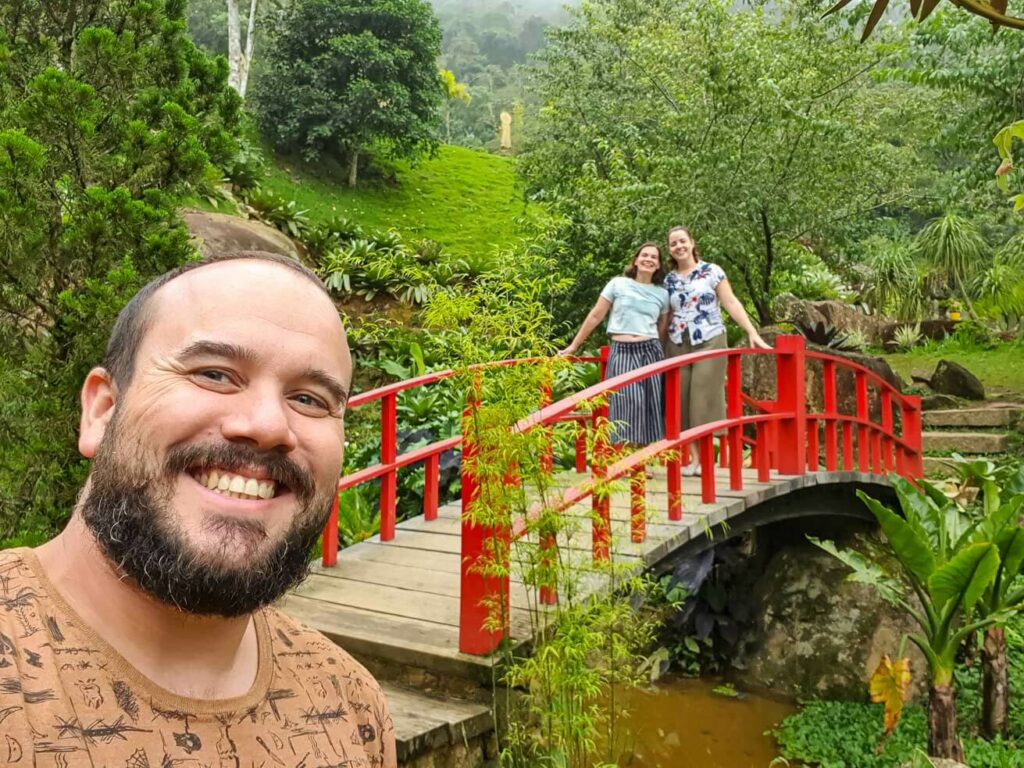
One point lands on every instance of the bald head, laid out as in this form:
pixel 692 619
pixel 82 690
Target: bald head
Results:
pixel 136 317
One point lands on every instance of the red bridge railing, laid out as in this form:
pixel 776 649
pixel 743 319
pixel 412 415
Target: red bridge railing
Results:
pixel 782 434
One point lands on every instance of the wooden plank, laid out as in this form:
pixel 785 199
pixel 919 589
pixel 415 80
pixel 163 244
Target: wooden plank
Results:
pixel 400 640
pixel 350 575
pixel 395 601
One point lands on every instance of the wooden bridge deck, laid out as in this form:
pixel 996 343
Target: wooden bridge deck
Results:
pixel 398 601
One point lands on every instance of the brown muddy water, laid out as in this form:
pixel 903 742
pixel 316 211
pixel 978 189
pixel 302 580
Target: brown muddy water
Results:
pixel 684 723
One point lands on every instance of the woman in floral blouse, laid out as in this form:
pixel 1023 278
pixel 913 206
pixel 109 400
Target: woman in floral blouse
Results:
pixel 698 291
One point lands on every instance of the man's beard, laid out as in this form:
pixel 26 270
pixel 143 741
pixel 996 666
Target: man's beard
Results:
pixel 128 508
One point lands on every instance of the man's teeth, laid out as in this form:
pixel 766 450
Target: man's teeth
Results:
pixel 238 486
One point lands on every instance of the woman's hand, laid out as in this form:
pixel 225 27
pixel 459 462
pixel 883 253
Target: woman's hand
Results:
pixel 758 342
pixel 570 350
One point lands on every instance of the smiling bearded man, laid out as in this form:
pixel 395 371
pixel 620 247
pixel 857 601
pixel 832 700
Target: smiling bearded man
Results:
pixel 142 634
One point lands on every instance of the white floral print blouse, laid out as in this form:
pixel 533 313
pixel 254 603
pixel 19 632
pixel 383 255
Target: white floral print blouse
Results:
pixel 694 304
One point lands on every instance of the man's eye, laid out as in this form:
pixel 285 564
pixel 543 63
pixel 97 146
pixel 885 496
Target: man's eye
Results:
pixel 214 375
pixel 311 402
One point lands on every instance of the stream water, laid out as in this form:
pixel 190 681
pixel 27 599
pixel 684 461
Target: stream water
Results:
pixel 684 723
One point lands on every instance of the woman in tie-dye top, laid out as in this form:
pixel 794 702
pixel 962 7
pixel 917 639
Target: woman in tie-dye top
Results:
pixel 698 291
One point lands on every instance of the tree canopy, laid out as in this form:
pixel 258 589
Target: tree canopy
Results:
pixel 342 76
pixel 757 131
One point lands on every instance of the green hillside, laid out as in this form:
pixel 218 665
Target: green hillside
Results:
pixel 464 199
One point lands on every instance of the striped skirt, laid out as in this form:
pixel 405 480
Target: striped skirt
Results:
pixel 636 411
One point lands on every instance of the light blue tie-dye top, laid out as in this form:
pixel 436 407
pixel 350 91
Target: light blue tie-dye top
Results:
pixel 695 308
pixel 636 307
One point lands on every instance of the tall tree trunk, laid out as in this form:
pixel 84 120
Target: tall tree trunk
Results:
pixel 995 684
pixel 246 63
pixel 942 738
pixel 234 46
pixel 353 168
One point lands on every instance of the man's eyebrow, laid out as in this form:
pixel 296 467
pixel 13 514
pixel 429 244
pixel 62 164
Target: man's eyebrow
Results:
pixel 218 349
pixel 337 390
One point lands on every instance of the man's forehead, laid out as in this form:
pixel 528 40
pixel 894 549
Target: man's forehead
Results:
pixel 242 293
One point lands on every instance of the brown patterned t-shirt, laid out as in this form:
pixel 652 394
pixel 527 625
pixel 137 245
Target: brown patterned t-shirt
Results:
pixel 67 699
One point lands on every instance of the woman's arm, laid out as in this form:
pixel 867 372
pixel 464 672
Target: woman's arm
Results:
pixel 663 322
pixel 594 318
pixel 736 311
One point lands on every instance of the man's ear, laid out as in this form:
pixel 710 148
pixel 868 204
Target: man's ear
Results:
pixel 98 398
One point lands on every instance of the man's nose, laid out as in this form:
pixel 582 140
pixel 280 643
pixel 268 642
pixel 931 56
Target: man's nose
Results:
pixel 260 417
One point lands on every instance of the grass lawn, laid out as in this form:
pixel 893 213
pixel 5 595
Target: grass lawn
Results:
pixel 464 199
pixel 1001 370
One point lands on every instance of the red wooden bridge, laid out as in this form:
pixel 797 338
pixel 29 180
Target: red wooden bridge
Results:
pixel 416 594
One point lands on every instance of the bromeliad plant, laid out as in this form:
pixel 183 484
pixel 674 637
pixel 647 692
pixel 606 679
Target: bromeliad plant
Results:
pixel 946 565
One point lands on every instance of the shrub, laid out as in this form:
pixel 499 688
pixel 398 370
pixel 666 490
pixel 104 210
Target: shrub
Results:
pixel 106 118
pixel 907 337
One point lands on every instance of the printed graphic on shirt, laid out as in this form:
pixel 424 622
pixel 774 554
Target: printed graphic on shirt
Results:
pixel 67 700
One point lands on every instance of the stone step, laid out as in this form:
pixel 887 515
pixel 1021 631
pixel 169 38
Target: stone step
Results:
pixel 965 442
pixel 937 467
pixel 972 418
pixel 441 727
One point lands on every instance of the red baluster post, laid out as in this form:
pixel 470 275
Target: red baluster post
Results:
pixel 707 469
pixel 601 527
pixel 673 426
pixel 431 478
pixel 831 410
pixel 791 433
pixel 330 536
pixel 911 417
pixel 480 545
pixel 863 445
pixel 581 447
pixel 887 435
pixel 812 445
pixel 734 410
pixel 638 505
pixel 388 454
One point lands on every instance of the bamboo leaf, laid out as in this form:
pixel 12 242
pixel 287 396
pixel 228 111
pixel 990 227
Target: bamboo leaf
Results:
pixel 909 545
pixel 876 14
pixel 927 6
pixel 964 578
pixel 838 6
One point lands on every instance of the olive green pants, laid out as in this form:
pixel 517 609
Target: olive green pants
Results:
pixel 701 385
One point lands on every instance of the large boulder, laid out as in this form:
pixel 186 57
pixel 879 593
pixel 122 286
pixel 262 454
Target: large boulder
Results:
pixel 216 233
pixel 759 378
pixel 953 379
pixel 818 634
pixel 837 314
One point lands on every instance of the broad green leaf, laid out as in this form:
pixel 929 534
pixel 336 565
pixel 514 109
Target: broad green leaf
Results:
pixel 864 571
pixel 964 578
pixel 1011 553
pixel 918 511
pixel 909 545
